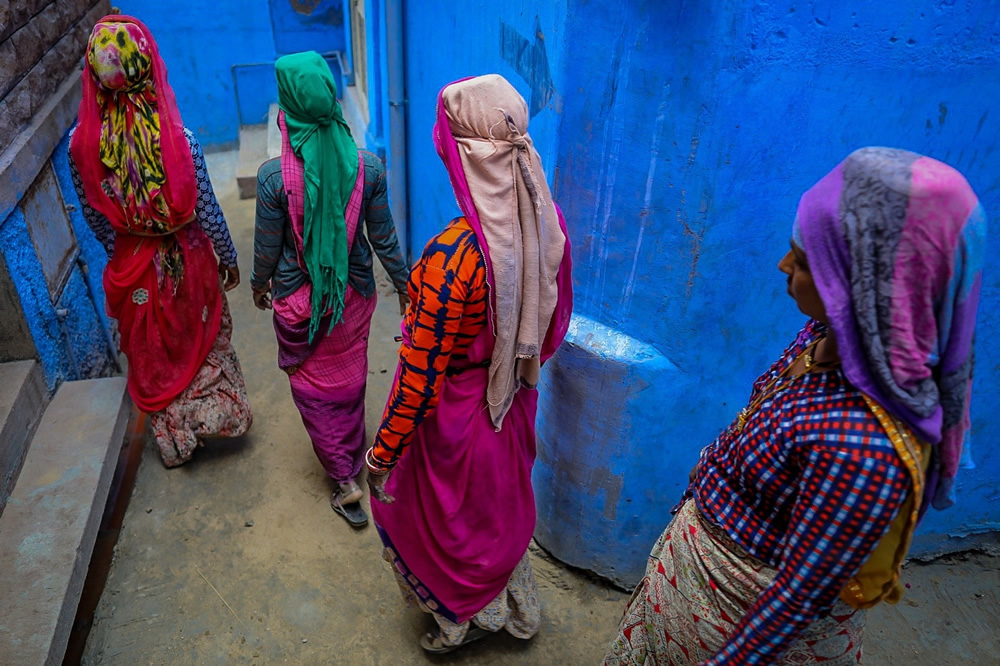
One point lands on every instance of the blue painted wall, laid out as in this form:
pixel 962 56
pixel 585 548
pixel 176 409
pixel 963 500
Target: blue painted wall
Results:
pixel 95 258
pixel 308 25
pixel 678 138
pixel 78 347
pixel 220 58
pixel 201 45
pixel 378 73
pixel 475 44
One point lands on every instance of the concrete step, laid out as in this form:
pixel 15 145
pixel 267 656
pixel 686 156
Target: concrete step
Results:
pixel 48 530
pixel 23 398
pixel 253 153
pixel 273 133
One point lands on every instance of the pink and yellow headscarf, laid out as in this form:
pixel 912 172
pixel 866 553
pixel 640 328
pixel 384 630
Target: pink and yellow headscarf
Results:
pixel 130 146
pixel 161 282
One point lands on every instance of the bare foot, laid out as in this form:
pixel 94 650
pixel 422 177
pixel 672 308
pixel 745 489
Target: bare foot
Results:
pixel 350 492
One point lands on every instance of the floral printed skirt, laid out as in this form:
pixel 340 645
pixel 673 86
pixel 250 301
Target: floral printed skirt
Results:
pixel 213 405
pixel 697 587
pixel 515 609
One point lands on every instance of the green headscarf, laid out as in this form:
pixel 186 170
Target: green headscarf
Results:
pixel 320 136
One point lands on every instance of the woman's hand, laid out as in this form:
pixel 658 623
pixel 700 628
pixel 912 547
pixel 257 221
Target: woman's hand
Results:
pixel 262 298
pixel 376 485
pixel 230 277
pixel 404 302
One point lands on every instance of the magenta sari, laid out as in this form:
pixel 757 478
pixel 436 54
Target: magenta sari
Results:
pixel 328 386
pixel 464 513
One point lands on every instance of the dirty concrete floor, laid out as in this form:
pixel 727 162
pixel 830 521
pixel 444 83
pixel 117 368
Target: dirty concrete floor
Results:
pixel 192 583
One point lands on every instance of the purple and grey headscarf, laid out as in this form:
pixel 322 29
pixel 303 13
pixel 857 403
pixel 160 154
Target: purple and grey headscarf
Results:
pixel 895 243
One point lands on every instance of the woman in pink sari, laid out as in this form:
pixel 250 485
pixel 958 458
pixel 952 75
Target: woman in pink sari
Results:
pixel 313 265
pixel 491 301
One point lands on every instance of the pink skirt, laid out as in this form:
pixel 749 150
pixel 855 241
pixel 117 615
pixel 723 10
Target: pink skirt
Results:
pixel 329 387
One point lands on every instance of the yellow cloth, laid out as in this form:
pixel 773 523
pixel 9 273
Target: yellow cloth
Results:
pixel 878 579
pixel 121 60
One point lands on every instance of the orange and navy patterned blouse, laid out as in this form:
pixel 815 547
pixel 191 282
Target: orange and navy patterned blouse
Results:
pixel 448 297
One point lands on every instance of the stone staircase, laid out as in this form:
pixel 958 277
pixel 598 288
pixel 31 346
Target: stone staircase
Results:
pixel 23 399
pixel 258 143
pixel 57 461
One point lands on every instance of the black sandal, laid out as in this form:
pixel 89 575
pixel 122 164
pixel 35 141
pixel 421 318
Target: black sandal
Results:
pixel 352 511
pixel 432 642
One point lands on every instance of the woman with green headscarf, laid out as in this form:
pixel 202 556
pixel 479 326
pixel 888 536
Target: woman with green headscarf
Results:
pixel 313 266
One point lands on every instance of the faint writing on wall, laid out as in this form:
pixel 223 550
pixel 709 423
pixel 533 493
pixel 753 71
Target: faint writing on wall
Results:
pixel 531 62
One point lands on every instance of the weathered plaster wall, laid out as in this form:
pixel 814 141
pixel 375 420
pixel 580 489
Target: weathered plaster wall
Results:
pixel 50 256
pixel 71 346
pixel 71 333
pixel 94 257
pixel 221 58
pixel 679 137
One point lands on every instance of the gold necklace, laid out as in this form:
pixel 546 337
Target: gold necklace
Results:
pixel 773 387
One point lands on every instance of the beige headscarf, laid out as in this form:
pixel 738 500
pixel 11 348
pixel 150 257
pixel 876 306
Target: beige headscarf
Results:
pixel 489 121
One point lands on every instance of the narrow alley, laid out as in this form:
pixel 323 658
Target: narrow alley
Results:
pixel 193 584
pixel 236 556
pixel 741 250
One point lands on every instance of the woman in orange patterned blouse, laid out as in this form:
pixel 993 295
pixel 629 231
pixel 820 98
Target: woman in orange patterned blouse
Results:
pixel 491 300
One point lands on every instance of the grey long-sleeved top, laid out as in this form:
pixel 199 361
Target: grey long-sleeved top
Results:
pixel 275 257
